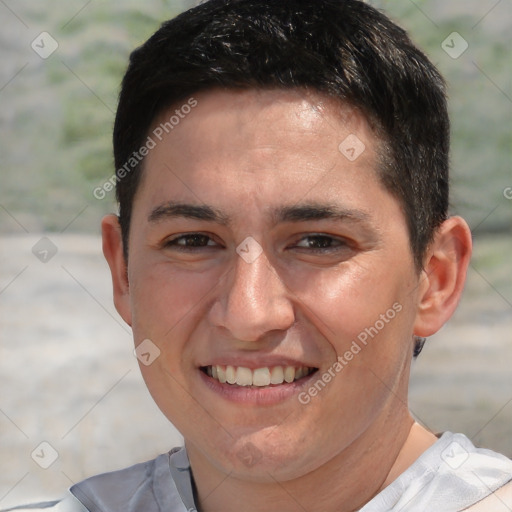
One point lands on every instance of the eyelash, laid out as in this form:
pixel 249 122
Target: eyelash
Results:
pixel 338 243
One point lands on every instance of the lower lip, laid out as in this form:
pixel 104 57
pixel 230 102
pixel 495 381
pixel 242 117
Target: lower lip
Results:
pixel 251 395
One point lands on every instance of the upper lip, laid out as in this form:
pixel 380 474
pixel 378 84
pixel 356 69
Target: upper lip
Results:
pixel 257 362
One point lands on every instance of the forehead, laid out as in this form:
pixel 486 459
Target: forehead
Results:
pixel 265 119
pixel 249 153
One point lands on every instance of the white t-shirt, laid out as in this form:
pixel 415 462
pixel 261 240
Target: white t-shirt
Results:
pixel 450 476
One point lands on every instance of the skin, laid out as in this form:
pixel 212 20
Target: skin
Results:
pixel 248 155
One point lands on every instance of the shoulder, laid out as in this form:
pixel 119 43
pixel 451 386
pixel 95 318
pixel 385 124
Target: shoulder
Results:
pixel 451 471
pixel 499 501
pixel 105 491
pixel 475 477
pixel 128 489
pixel 147 486
pixel 49 506
pixel 68 504
pixel 159 484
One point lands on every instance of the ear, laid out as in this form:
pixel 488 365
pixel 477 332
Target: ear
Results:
pixel 113 251
pixel 443 276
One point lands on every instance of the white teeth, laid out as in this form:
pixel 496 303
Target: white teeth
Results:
pixel 261 377
pixel 230 374
pixel 289 374
pixel 244 376
pixel 277 375
pixel 221 375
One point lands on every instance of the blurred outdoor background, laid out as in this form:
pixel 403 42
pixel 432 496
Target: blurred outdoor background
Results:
pixel 68 374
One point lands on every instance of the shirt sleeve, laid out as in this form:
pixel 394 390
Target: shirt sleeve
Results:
pixel 68 504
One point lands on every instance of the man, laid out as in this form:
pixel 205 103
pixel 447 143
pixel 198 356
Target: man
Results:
pixel 282 250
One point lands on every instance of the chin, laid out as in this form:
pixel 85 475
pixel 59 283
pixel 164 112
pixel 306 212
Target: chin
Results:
pixel 260 459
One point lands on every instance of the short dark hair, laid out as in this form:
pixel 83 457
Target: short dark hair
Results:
pixel 345 49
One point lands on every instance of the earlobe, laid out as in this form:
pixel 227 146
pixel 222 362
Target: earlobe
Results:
pixel 113 252
pixel 443 277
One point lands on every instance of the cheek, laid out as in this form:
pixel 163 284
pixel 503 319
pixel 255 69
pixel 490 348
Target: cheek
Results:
pixel 163 296
pixel 366 314
pixel 345 301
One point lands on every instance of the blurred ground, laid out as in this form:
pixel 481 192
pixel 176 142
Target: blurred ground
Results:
pixel 69 376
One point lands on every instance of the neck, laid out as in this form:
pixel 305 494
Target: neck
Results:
pixel 347 482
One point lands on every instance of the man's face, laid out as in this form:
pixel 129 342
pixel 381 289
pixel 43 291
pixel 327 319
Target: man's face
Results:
pixel 257 243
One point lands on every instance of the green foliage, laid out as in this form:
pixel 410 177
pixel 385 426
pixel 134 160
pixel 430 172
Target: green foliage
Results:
pixel 57 115
pixel 481 111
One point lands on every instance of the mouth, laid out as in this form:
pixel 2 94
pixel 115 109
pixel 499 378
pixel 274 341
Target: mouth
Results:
pixel 259 377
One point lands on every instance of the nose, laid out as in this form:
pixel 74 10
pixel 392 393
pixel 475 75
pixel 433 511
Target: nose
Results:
pixel 252 301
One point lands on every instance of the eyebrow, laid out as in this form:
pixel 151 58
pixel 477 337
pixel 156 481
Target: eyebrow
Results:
pixel 188 211
pixel 314 211
pixel 294 213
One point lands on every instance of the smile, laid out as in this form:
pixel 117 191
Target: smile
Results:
pixel 259 377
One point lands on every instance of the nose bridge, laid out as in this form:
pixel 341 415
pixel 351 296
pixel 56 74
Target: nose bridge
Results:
pixel 253 284
pixel 253 300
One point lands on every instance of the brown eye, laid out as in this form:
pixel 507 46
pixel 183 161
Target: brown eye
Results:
pixel 191 241
pixel 320 243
